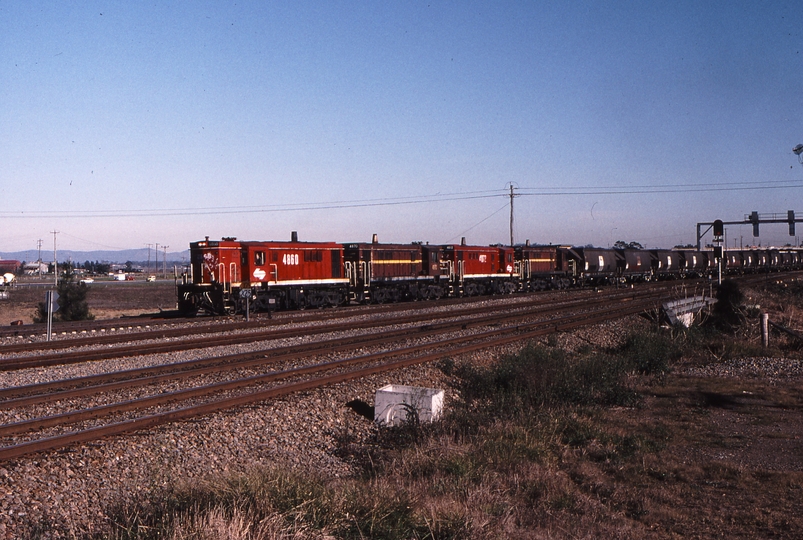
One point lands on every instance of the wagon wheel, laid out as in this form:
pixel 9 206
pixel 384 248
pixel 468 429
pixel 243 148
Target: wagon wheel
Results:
pixel 381 296
pixel 320 300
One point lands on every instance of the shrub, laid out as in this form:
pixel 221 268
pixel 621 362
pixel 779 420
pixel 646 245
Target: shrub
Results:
pixel 649 353
pixel 72 301
pixel 727 311
pixel 539 377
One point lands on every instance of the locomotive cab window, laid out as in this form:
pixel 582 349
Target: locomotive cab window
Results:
pixel 259 258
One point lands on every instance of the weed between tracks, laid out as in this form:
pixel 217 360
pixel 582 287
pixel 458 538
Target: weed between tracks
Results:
pixel 543 444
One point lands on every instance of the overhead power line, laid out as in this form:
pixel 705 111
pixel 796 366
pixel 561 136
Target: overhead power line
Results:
pixel 541 191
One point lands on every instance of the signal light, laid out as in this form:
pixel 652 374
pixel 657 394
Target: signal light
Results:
pixel 719 228
pixel 754 221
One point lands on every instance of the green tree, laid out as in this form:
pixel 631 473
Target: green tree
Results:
pixel 72 300
pixel 621 244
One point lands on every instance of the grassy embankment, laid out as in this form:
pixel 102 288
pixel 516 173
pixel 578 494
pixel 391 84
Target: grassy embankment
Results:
pixel 543 444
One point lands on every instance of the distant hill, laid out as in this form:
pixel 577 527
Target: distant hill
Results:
pixel 133 255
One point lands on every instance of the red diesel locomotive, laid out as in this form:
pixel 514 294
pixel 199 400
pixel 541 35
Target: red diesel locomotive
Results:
pixel 229 276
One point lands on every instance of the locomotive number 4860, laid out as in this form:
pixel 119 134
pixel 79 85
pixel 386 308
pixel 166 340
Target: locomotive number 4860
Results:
pixel 289 259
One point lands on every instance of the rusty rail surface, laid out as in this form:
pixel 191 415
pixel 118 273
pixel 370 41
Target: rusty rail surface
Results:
pixel 220 338
pixel 225 324
pixel 409 356
pixel 52 391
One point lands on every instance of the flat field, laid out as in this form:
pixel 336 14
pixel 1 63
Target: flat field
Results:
pixel 107 299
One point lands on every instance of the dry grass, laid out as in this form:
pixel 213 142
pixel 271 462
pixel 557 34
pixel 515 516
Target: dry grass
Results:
pixel 609 444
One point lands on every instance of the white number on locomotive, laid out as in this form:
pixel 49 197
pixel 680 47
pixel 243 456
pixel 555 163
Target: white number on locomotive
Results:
pixel 290 259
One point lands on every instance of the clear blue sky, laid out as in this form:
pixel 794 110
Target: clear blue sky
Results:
pixel 128 123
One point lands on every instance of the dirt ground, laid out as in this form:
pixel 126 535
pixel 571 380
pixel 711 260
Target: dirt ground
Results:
pixel 721 437
pixel 107 299
pixel 731 465
pixel 729 422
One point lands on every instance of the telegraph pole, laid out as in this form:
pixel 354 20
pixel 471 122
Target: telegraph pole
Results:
pixel 39 260
pixel 512 195
pixel 149 257
pixel 55 261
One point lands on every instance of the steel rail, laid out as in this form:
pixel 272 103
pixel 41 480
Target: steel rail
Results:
pixel 162 399
pixel 75 327
pixel 288 317
pixel 83 327
pixel 292 317
pixel 72 357
pixel 92 384
pixel 514 333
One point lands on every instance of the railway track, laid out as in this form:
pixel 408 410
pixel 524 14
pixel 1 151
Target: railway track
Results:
pixel 227 335
pixel 14 396
pixel 72 330
pixel 155 327
pixel 125 330
pixel 165 321
pixel 395 352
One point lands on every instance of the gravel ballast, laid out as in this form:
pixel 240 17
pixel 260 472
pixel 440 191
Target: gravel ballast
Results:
pixel 67 493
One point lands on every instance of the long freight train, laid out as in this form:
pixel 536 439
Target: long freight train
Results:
pixel 229 276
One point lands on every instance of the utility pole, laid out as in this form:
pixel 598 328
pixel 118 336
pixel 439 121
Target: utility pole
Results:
pixel 156 251
pixel 164 261
pixel 512 195
pixel 39 260
pixel 149 257
pixel 55 261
